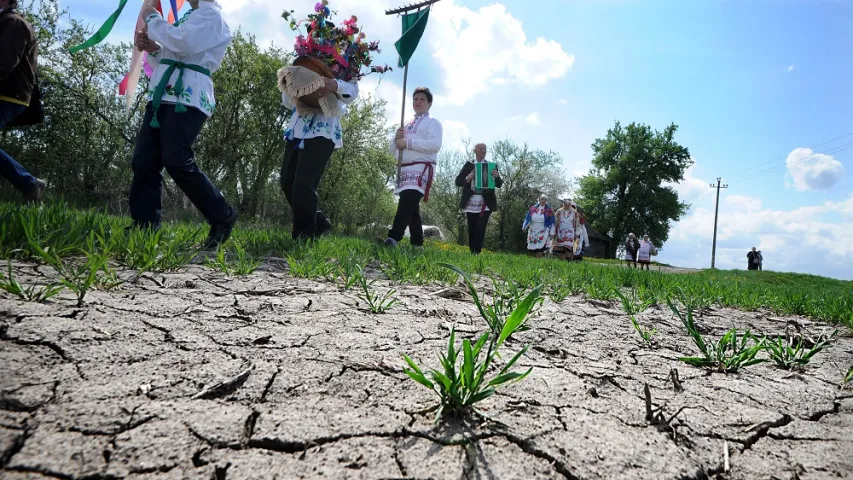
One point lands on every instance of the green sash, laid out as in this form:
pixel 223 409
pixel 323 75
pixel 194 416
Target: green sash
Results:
pixel 179 86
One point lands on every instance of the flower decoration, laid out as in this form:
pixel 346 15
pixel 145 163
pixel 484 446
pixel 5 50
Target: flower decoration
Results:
pixel 343 49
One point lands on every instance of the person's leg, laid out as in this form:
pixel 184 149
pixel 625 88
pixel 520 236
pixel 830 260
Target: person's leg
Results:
pixel 406 207
pixel 146 188
pixel 472 231
pixel 309 170
pixel 179 131
pixel 416 224
pixel 10 169
pixel 482 222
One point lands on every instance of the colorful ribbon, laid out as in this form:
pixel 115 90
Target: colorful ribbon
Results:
pixel 102 32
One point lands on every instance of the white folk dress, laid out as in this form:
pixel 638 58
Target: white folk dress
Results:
pixel 201 38
pixel 423 141
pixel 644 254
pixel 566 220
pixel 538 235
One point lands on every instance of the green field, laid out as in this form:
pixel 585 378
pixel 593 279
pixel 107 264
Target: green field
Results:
pixel 89 246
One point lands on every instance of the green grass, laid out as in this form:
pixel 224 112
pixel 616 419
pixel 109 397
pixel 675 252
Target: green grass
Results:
pixel 64 232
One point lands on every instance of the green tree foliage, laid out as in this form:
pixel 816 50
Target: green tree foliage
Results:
pixel 627 189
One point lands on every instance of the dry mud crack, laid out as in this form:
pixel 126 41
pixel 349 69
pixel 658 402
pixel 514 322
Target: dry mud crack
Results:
pixel 198 375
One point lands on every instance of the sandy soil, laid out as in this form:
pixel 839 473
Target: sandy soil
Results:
pixel 121 388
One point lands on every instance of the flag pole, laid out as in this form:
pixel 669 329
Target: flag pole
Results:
pixel 397 11
pixel 402 119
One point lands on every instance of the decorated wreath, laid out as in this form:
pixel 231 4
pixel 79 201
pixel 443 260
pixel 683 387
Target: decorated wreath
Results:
pixel 325 50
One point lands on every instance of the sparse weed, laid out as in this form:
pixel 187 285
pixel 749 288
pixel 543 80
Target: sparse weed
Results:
pixel 790 351
pixel 241 264
pixel 460 387
pixel 847 381
pixel 634 307
pixel 559 292
pixel 727 354
pixel 378 303
pixel 497 314
pixel 33 293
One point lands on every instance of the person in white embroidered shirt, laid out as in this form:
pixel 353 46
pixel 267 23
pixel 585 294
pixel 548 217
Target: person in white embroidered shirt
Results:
pixel 420 142
pixel 183 57
pixel 311 140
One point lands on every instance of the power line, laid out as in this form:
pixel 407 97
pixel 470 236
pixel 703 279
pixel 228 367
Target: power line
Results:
pixel 786 156
pixel 813 156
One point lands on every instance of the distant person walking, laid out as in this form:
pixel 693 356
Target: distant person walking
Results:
pixel 632 245
pixel 17 88
pixel 754 259
pixel 539 224
pixel 644 253
pixel 760 260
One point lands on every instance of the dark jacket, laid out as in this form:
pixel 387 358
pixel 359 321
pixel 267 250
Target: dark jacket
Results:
pixel 18 56
pixel 488 195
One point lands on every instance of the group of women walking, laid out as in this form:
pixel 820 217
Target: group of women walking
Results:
pixel 562 233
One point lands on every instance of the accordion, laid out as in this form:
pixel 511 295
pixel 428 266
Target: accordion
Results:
pixel 483 179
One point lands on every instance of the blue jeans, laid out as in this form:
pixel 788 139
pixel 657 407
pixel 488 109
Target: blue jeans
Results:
pixel 11 170
pixel 170 147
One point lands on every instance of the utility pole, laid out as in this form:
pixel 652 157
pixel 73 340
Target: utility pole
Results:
pixel 716 211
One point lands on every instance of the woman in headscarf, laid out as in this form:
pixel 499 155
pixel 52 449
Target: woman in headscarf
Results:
pixel 631 247
pixel 539 223
pixel 644 253
pixel 566 225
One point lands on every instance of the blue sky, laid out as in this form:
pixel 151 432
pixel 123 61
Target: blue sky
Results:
pixel 747 82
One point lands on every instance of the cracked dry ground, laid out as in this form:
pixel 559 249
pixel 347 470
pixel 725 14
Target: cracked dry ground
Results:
pixel 110 390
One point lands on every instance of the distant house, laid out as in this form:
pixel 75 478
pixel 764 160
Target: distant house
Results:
pixel 598 243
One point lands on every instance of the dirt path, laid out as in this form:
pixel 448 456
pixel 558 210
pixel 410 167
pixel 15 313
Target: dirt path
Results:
pixel 109 391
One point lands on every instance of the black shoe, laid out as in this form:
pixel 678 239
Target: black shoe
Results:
pixel 35 194
pixel 324 226
pixel 220 232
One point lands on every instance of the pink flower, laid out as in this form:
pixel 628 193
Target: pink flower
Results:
pixel 318 7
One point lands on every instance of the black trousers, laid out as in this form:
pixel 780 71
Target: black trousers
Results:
pixel 300 175
pixel 170 147
pixel 408 215
pixel 477 230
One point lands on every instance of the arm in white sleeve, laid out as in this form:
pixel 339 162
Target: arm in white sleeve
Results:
pixel 392 146
pixel 347 92
pixel 202 30
pixel 432 143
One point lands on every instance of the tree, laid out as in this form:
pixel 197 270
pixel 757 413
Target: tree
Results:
pixel 625 190
pixel 241 145
pixel 526 173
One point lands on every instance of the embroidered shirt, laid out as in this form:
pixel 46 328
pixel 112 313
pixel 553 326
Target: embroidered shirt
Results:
pixel 199 38
pixel 423 141
pixel 318 124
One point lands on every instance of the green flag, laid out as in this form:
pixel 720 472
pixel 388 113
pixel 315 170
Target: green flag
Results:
pixel 102 32
pixel 414 25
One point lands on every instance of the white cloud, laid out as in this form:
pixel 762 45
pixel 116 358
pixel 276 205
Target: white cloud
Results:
pixel 790 68
pixel 563 102
pixel 813 171
pixel 455 134
pixel 812 239
pixel 532 119
pixel 691 188
pixel 743 203
pixel 489 46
